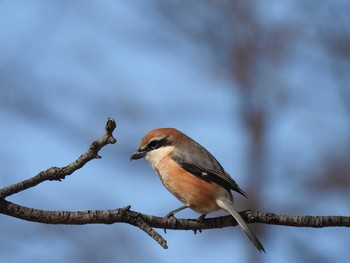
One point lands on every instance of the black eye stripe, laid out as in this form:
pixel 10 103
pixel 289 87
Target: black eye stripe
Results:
pixel 155 144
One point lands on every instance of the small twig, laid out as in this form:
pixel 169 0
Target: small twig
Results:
pixel 140 222
pixel 55 173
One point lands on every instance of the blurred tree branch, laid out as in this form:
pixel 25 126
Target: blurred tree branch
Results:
pixel 125 215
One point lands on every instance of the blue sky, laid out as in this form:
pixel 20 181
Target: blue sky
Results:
pixel 66 66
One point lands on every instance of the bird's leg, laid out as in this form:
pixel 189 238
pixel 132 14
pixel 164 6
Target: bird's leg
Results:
pixel 201 218
pixel 172 213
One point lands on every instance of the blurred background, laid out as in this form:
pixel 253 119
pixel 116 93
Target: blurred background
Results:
pixel 263 85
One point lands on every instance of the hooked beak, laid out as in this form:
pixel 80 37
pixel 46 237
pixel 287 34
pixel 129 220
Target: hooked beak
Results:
pixel 138 155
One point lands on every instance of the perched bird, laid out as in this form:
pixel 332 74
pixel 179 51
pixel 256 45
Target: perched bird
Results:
pixel 192 174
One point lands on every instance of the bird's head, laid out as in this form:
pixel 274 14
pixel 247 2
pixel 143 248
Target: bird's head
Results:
pixel 157 144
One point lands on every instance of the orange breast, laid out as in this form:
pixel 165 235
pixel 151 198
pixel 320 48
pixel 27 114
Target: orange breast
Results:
pixel 198 194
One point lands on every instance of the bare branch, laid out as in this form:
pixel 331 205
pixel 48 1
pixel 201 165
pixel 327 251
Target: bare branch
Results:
pixel 55 173
pixel 301 221
pixel 121 215
pixel 146 222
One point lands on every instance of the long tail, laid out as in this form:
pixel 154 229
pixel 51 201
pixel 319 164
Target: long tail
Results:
pixel 229 208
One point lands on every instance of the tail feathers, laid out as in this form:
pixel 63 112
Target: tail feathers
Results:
pixel 229 208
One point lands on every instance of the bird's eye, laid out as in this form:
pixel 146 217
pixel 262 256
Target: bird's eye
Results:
pixel 153 145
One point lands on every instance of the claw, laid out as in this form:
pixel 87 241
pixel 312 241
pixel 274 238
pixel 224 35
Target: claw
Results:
pixel 170 215
pixel 195 231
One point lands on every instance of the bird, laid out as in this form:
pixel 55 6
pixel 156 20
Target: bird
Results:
pixel 192 174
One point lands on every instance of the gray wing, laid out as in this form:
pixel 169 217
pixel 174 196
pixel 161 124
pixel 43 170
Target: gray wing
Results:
pixel 201 163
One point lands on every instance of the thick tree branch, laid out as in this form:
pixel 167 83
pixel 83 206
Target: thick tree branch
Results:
pixel 146 222
pixel 125 215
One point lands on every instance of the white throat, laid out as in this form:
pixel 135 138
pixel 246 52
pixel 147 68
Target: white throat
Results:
pixel 155 156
